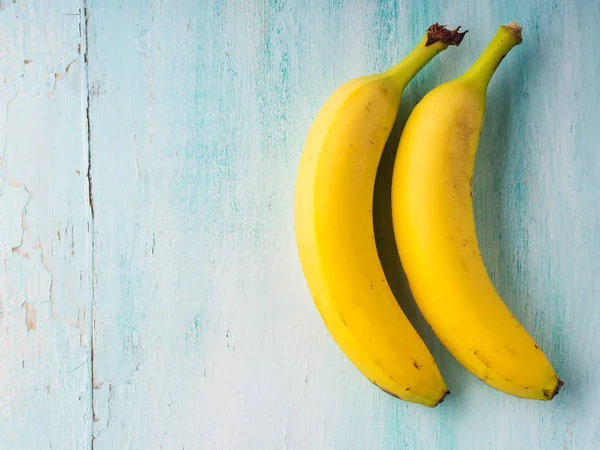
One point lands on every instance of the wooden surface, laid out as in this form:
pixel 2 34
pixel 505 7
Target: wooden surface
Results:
pixel 150 291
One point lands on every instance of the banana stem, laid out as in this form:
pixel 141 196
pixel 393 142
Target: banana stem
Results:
pixel 437 39
pixel 485 66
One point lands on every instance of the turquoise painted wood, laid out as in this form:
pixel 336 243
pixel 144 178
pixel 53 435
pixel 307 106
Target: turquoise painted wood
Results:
pixel 150 291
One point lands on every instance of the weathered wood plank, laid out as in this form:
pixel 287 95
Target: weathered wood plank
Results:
pixel 205 335
pixel 45 253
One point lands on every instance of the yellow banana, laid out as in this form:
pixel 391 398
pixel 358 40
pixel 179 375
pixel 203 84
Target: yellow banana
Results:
pixel 334 229
pixel 435 232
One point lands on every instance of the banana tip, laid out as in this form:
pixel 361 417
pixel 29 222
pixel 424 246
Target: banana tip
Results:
pixel 441 400
pixel 557 389
pixel 550 395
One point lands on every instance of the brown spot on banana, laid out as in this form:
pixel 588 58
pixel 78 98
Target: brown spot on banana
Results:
pixel 484 361
pixel 464 264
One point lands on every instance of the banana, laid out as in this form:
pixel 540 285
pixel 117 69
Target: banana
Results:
pixel 333 221
pixel 434 226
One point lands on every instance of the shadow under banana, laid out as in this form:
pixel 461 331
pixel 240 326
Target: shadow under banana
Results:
pixel 451 370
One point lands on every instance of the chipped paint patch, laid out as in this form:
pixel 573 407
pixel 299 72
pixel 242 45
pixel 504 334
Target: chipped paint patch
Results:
pixel 30 317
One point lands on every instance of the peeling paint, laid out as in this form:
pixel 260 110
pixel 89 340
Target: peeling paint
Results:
pixel 70 65
pixel 44 288
pixel 144 43
pixel 24 226
pixel 30 317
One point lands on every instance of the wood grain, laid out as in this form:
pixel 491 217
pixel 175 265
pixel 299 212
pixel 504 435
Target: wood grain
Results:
pixel 157 301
